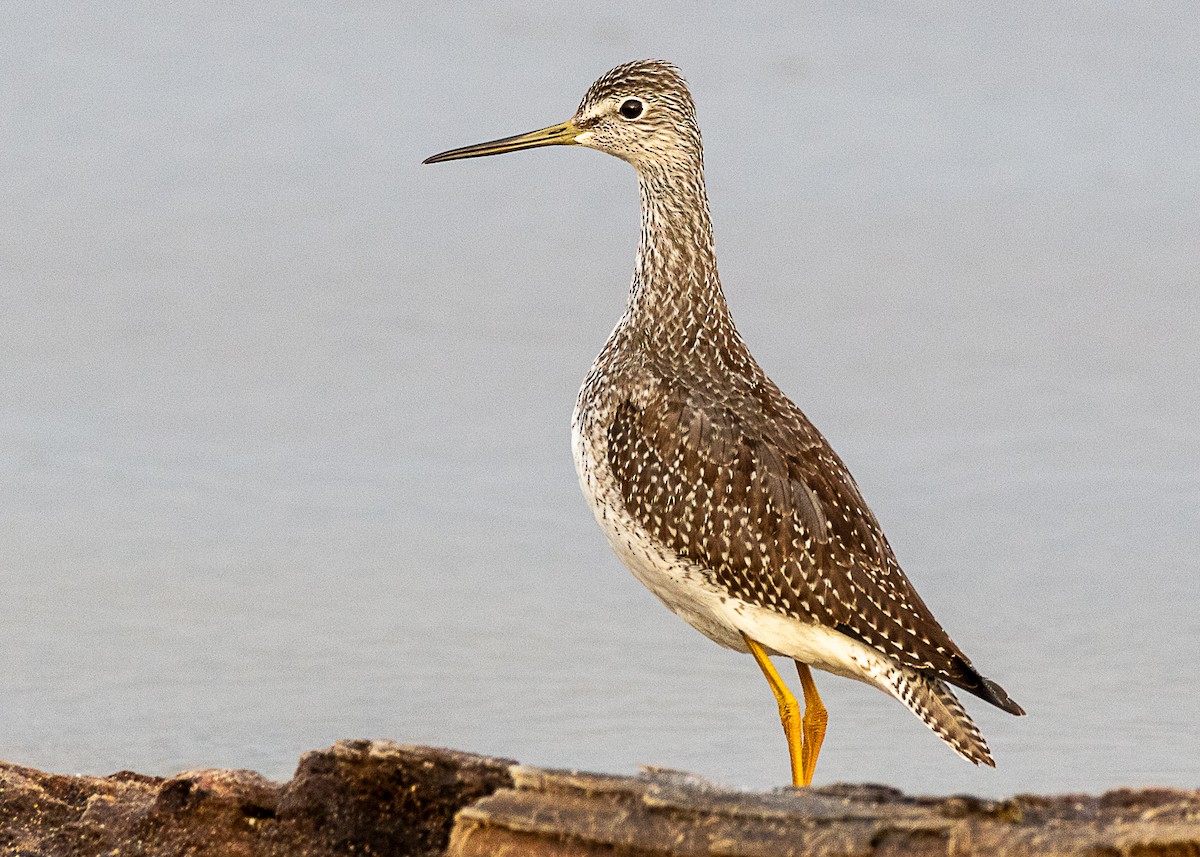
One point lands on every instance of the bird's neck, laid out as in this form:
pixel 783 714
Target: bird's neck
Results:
pixel 676 304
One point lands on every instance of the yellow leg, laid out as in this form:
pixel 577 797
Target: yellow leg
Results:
pixel 789 712
pixel 815 718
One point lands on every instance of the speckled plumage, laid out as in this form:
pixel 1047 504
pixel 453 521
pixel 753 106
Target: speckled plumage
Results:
pixel 712 485
pixel 709 483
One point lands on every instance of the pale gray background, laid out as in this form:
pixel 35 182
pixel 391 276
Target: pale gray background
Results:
pixel 284 415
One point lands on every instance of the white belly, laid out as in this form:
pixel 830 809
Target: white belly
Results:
pixel 677 583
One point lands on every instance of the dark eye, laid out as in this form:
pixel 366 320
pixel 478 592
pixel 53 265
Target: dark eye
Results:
pixel 632 108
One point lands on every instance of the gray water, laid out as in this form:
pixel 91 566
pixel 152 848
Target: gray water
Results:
pixel 284 415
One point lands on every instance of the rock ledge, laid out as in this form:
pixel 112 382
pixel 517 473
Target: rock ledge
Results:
pixel 380 798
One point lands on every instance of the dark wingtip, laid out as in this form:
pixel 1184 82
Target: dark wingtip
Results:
pixel 972 682
pixel 996 695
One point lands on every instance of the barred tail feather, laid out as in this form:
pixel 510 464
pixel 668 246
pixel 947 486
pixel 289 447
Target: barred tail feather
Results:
pixel 931 700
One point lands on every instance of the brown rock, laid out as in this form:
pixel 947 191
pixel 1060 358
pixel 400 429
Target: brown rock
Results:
pixel 376 797
pixel 358 797
pixel 667 814
pixel 379 798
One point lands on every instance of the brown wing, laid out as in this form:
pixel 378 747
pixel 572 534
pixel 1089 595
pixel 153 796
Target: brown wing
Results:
pixel 748 489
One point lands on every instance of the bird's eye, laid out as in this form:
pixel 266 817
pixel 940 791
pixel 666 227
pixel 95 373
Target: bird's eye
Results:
pixel 632 108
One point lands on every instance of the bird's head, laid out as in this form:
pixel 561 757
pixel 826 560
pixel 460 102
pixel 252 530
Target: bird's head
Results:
pixel 641 112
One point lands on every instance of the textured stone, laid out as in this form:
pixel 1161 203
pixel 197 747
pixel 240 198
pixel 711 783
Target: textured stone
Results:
pixel 384 799
pixel 661 813
pixel 358 797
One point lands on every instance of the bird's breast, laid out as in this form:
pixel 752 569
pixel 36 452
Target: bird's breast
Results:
pixel 680 584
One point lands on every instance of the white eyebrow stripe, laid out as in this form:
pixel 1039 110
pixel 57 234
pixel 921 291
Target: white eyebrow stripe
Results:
pixel 595 111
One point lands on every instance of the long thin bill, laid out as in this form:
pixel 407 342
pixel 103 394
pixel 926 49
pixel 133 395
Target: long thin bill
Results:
pixel 555 135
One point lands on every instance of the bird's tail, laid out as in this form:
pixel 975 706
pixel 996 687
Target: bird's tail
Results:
pixel 939 709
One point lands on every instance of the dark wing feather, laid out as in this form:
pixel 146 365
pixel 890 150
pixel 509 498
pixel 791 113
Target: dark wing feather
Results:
pixel 745 487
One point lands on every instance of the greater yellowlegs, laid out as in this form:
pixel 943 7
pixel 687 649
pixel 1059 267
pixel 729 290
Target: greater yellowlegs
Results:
pixel 710 484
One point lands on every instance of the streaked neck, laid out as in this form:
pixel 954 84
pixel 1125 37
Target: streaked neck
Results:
pixel 676 299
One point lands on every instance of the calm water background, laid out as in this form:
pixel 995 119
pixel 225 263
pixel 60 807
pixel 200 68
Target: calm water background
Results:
pixel 284 415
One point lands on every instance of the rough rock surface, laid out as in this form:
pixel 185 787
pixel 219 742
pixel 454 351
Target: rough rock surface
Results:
pixel 380 798
pixel 553 813
pixel 358 797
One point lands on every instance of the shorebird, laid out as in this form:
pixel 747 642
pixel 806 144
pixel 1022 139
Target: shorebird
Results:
pixel 709 483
